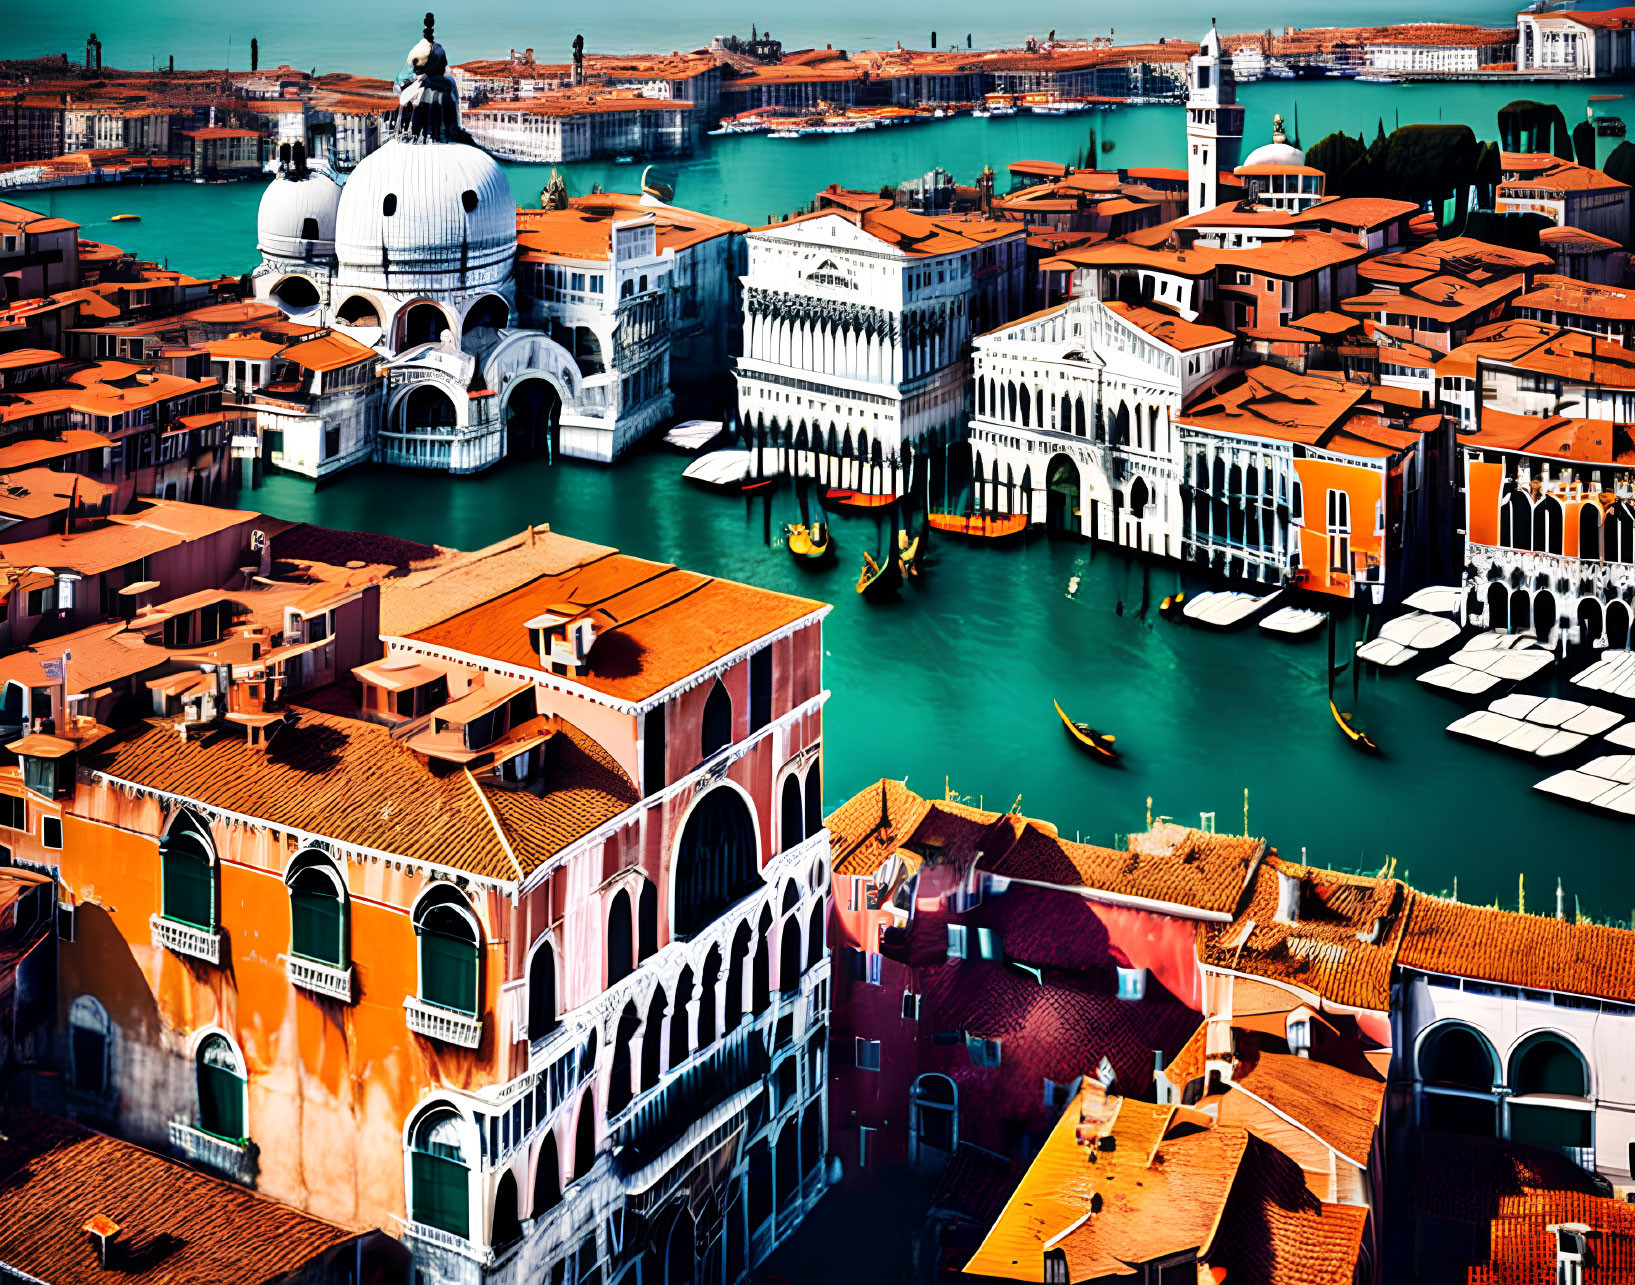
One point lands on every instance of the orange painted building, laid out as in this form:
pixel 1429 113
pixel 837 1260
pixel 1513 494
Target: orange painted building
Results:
pixel 1549 525
pixel 509 940
pixel 1313 481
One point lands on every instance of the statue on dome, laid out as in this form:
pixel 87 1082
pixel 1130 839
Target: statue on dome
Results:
pixel 429 103
pixel 555 195
pixel 1278 136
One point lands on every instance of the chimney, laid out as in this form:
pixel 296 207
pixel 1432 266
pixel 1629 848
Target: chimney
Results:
pixel 104 1233
pixel 1288 898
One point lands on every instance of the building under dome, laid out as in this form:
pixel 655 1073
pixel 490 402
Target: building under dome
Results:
pixel 416 255
pixel 1280 175
pixel 295 230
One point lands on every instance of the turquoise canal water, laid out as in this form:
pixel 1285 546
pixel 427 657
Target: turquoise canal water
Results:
pixel 956 681
pixel 372 39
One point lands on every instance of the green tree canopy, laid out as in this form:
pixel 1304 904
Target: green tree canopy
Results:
pixel 1344 162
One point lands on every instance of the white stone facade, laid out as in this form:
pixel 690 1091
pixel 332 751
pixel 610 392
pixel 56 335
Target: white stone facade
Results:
pixel 858 347
pixel 1074 425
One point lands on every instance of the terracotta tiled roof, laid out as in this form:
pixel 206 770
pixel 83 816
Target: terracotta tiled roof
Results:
pixel 352 782
pixel 460 581
pixel 37 492
pixel 1554 293
pixel 176 1226
pixel 102 548
pixel 1183 336
pixel 1355 212
pixel 1519 950
pixel 1523 1248
pixel 1157 1190
pixel 870 826
pixel 1275 1232
pixel 1592 441
pixel 1461 1178
pixel 669 623
pixel 1340 946
pixel 1340 1108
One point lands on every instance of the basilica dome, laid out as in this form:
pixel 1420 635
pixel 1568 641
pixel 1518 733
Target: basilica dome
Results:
pixel 296 219
pixel 420 215
pixel 1277 152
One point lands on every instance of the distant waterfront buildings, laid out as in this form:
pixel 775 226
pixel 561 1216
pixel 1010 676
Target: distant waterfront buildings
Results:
pixel 1583 43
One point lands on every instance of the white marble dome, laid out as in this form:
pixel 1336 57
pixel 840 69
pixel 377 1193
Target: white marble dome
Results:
pixel 420 216
pixel 296 219
pixel 1276 154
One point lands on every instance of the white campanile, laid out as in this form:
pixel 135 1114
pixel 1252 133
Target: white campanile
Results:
pixel 1214 123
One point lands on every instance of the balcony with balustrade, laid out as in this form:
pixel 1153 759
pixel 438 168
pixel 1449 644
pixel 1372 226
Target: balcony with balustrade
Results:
pixel 446 1024
pixel 186 939
pixel 238 1161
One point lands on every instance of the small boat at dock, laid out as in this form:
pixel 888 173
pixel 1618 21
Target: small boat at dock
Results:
pixel 727 471
pixel 992 527
pixel 879 580
pixel 1293 622
pixel 810 543
pixel 1098 744
pixel 694 435
pixel 1225 610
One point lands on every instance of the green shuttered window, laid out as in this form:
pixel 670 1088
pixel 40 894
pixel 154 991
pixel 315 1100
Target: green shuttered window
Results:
pixel 221 1090
pixel 188 873
pixel 448 959
pixel 317 919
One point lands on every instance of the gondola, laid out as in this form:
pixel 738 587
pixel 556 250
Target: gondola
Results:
pixel 1099 744
pixel 125 218
pixel 879 580
pixel 992 527
pixel 908 553
pixel 810 543
pixel 1355 735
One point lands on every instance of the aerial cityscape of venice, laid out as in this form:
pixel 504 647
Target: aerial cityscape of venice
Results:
pixel 899 643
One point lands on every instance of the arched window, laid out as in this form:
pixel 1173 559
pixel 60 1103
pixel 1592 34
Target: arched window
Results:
pixel 547 1177
pixel 716 863
pixel 1549 1096
pixel 1455 1066
pixel 506 1227
pixel 309 229
pixel 934 1116
pixel 814 799
pixel 1516 521
pixel 653 1041
pixel 584 1137
pixel 221 1089
pixel 732 1009
pixel 90 1048
pixel 791 814
pixel 542 992
pixel 647 921
pixel 1548 520
pixel 440 1172
pixel 717 733
pixel 619 961
pixel 760 1185
pixel 761 974
pixel 1589 532
pixel 1025 400
pixel 618 1084
pixel 450 952
pixel 706 998
pixel 811 1135
pixel 789 956
pixel 814 936
pixel 188 872
pixel 317 910
pixel 679 1017
pixel 1619 534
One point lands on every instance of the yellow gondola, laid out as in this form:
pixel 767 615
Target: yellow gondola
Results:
pixel 810 543
pixel 1355 735
pixel 125 218
pixel 1099 744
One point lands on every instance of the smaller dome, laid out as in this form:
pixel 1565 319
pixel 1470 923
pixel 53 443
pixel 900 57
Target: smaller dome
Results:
pixel 296 219
pixel 1276 154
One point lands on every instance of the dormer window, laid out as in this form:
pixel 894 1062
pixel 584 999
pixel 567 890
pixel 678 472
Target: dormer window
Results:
pixel 563 636
pixel 1572 1252
pixel 1132 984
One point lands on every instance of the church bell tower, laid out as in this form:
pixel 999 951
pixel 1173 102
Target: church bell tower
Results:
pixel 1214 123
